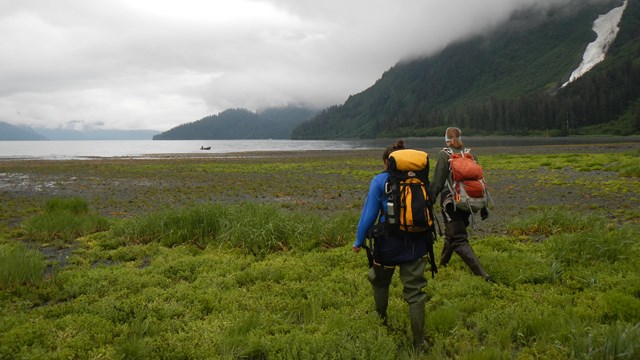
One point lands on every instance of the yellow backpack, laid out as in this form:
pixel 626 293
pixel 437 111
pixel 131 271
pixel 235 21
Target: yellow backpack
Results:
pixel 409 206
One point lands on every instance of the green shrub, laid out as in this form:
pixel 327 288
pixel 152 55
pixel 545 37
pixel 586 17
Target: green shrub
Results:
pixel 19 265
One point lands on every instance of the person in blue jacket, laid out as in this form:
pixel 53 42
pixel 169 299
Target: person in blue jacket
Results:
pixel 407 251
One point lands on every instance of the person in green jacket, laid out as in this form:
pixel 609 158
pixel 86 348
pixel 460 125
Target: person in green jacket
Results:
pixel 456 220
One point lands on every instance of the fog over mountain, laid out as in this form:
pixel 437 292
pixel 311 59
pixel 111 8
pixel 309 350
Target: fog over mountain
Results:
pixel 508 81
pixel 155 64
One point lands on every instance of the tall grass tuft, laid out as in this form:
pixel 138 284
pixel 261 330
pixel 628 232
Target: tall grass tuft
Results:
pixel 617 341
pixel 337 228
pixel 621 342
pixel 257 228
pixel 74 205
pixel 552 220
pixel 174 227
pixel 263 228
pixel 236 343
pixel 588 247
pixel 64 219
pixel 19 265
pixel 132 346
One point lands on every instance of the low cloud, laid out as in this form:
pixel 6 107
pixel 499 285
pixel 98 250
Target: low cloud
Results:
pixel 154 64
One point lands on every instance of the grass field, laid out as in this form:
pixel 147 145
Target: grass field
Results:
pixel 249 257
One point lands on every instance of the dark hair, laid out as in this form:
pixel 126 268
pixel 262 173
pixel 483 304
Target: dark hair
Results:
pixel 397 146
pixel 455 135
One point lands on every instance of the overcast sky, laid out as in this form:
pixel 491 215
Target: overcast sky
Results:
pixel 155 64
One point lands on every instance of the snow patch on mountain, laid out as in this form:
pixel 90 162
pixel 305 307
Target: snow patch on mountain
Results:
pixel 606 27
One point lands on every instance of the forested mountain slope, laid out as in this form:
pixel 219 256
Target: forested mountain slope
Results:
pixel 274 123
pixel 508 81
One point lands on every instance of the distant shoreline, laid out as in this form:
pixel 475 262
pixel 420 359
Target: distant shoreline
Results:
pixel 147 149
pixel 289 154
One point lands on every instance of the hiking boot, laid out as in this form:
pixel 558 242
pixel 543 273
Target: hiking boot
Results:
pixel 381 298
pixel 469 257
pixel 447 251
pixel 416 317
pixel 421 347
pixel 455 233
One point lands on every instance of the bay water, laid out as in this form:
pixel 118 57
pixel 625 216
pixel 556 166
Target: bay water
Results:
pixel 81 149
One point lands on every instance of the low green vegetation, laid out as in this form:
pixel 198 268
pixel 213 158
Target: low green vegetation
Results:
pixel 264 270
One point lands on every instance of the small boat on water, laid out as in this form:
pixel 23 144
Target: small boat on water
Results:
pixel 205 148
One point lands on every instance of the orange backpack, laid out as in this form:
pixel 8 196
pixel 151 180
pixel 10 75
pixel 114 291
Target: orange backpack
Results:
pixel 466 183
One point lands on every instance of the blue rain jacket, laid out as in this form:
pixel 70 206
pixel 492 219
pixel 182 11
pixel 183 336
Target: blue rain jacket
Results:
pixel 396 248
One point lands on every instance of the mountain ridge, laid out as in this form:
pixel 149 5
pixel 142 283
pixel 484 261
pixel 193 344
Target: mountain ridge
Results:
pixel 503 82
pixel 9 132
pixel 271 123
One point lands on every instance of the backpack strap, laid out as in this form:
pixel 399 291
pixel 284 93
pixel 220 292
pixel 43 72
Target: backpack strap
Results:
pixel 367 248
pixel 431 256
pixel 449 182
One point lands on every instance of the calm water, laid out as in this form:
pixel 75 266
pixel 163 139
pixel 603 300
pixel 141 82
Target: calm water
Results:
pixel 141 148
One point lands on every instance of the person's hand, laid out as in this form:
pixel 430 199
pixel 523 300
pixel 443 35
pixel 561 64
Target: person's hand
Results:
pixel 355 249
pixel 484 213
